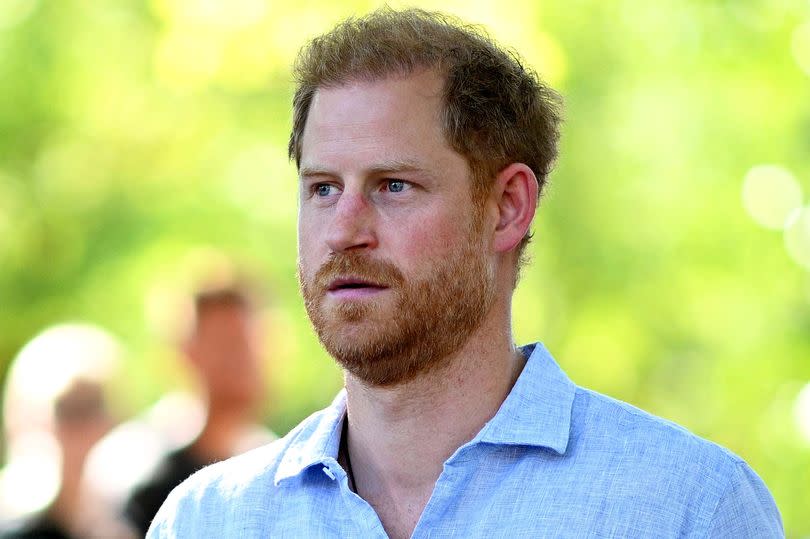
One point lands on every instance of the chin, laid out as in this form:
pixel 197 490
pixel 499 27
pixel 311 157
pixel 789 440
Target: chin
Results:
pixel 352 336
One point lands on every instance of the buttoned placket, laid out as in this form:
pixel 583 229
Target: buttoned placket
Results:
pixel 367 518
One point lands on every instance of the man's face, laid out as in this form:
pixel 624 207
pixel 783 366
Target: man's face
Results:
pixel 225 350
pixel 393 261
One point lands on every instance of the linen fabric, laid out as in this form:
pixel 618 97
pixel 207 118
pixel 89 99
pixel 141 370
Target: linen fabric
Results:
pixel 556 461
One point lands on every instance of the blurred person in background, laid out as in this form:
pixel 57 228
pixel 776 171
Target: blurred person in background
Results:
pixel 422 150
pixel 223 347
pixel 55 408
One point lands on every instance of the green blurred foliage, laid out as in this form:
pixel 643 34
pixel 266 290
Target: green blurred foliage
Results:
pixel 137 139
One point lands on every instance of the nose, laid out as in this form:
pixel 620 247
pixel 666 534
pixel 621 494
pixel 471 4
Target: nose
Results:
pixel 352 226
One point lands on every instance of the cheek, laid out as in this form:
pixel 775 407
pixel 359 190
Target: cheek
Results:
pixel 308 247
pixel 429 238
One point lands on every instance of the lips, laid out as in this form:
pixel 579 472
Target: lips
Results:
pixel 353 283
pixel 352 277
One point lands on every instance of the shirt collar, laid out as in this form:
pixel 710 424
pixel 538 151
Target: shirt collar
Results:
pixel 538 409
pixel 316 442
pixel 536 412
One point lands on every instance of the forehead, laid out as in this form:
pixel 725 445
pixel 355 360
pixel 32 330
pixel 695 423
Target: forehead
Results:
pixel 397 116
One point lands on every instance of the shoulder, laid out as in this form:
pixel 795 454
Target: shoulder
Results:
pixel 205 499
pixel 661 461
pixel 630 438
pixel 241 489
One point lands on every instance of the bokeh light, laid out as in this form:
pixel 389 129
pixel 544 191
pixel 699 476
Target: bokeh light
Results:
pixel 30 481
pixel 187 60
pixel 771 194
pixel 13 12
pixel 800 46
pixel 797 237
pixel 801 412
pixel 213 15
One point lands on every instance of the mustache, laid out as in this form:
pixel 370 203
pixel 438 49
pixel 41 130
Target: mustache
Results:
pixel 359 266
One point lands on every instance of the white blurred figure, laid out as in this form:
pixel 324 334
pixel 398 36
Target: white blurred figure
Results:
pixel 55 409
pixel 131 451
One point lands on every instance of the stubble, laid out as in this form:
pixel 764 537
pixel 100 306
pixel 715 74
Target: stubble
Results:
pixel 429 318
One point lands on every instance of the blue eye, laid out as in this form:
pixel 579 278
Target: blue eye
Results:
pixel 396 186
pixel 323 189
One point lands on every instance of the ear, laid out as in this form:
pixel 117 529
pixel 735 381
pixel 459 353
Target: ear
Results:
pixel 515 195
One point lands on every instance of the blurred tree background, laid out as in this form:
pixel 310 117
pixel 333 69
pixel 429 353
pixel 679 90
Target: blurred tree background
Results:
pixel 140 141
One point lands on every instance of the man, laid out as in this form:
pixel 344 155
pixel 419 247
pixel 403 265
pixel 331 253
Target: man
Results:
pixel 422 150
pixel 222 348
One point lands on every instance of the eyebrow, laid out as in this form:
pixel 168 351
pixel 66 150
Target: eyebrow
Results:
pixel 382 167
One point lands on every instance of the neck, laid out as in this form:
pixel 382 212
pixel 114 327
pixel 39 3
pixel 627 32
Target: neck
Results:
pixel 64 510
pixel 223 434
pixel 400 437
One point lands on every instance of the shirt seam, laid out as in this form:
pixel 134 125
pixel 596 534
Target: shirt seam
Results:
pixel 629 409
pixel 720 499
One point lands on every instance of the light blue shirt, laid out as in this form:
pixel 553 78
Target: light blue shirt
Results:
pixel 555 461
